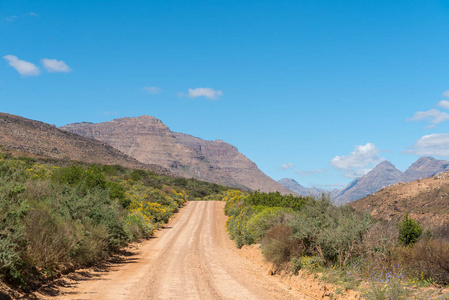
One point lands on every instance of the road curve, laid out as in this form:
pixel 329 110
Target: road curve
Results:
pixel 192 258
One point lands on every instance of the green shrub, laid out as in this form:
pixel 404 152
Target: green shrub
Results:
pixel 260 223
pixel 113 170
pixel 50 239
pixel 234 199
pixel 116 191
pixel 94 178
pixel 236 226
pixel 70 175
pixel 137 175
pixel 409 230
pixel 76 175
pixel 312 263
pixel 13 209
pixel 335 234
pixel 139 225
pixel 92 245
pixel 277 200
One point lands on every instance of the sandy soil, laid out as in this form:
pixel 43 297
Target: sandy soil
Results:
pixel 192 258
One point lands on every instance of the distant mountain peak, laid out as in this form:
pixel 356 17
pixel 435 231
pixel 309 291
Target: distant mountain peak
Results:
pixel 385 174
pixel 294 186
pixel 385 163
pixel 383 167
pixel 288 180
pixel 425 167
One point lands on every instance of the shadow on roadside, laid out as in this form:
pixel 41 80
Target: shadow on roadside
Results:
pixel 71 280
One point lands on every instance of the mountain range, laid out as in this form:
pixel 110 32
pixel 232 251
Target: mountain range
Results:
pixel 148 140
pixel 383 175
pixel 145 142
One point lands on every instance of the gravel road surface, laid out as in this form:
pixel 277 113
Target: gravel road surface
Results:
pixel 192 258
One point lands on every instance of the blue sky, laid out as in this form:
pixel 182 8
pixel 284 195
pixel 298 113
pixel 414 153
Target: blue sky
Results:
pixel 318 91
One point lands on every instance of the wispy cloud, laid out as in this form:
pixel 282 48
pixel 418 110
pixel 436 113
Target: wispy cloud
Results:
pixel 14 17
pixel 310 172
pixel 358 162
pixel 152 89
pixel 203 92
pixel 433 115
pixel 55 66
pixel 24 68
pixel 446 94
pixel 286 166
pixel 11 18
pixel 436 144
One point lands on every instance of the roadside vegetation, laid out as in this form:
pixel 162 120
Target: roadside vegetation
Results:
pixel 382 260
pixel 56 216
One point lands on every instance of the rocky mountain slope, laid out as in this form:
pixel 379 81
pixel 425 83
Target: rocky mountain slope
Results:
pixel 425 167
pixel 426 200
pixel 294 186
pixel 385 174
pixel 41 139
pixel 382 175
pixel 150 141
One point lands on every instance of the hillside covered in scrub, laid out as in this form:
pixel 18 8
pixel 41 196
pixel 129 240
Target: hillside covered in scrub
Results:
pixel 382 260
pixel 426 200
pixel 56 217
pixel 39 139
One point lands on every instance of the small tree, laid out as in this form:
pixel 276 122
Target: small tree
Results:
pixel 409 230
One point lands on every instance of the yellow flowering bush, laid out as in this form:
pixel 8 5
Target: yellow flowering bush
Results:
pixel 39 171
pixel 150 207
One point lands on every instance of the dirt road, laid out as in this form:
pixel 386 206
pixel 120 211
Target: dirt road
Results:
pixel 192 258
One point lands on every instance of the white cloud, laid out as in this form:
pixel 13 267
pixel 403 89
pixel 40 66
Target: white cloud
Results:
pixel 54 65
pixel 310 172
pixel 359 161
pixel 24 68
pixel 444 104
pixel 11 18
pixel 433 115
pixel 204 92
pixel 31 14
pixel 446 94
pixel 152 89
pixel 357 173
pixel 432 144
pixel 286 166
